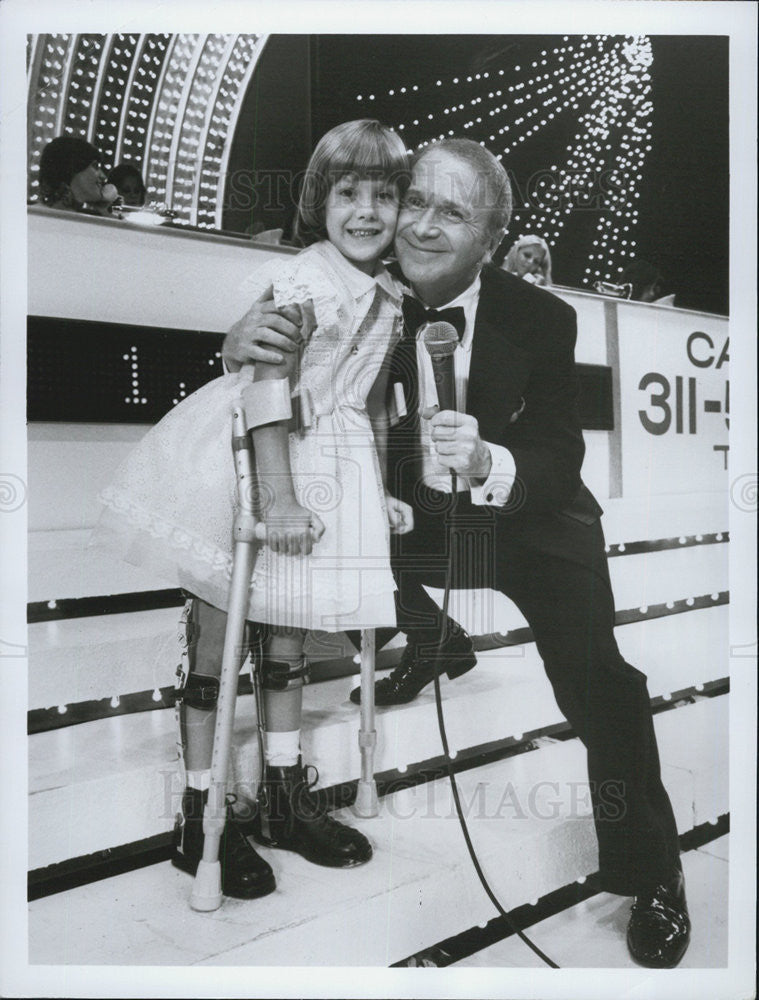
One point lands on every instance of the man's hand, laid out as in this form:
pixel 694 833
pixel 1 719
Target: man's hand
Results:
pixel 457 441
pixel 264 333
pixel 292 529
pixel 399 515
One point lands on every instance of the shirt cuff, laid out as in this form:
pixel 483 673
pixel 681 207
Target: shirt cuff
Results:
pixel 496 489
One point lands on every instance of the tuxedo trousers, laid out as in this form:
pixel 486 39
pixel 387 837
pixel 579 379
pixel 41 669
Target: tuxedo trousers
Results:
pixel 555 570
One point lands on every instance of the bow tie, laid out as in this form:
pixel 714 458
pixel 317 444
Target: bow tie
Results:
pixel 416 315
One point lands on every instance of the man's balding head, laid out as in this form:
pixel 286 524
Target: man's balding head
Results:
pixel 452 218
pixel 494 185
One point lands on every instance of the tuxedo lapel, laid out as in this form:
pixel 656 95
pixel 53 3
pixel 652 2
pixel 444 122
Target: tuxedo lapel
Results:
pixel 499 366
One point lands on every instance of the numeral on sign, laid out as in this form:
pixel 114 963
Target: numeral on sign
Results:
pixel 659 401
pixel 136 397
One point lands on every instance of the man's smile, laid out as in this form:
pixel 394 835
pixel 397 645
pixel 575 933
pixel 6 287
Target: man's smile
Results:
pixel 423 248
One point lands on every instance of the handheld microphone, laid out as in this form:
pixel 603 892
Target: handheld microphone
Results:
pixel 441 340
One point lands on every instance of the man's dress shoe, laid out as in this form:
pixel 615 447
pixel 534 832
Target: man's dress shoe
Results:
pixel 658 933
pixel 417 669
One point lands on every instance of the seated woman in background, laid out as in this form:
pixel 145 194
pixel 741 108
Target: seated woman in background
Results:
pixel 72 179
pixel 530 258
pixel 646 280
pixel 129 183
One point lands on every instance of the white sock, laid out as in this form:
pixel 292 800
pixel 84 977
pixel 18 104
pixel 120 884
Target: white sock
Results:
pixel 282 749
pixel 200 780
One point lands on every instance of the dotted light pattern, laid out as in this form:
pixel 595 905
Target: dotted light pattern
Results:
pixel 223 113
pixel 602 83
pixel 167 103
pixel 47 58
pixel 165 126
pixel 120 55
pixel 132 360
pixel 194 123
pixel 85 59
pixel 138 105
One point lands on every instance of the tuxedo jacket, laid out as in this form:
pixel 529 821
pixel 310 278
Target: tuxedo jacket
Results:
pixel 523 391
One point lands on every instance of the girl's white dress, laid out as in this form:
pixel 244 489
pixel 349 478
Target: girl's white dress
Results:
pixel 171 505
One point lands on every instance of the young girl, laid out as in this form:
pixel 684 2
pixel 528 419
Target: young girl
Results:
pixel 530 258
pixel 325 564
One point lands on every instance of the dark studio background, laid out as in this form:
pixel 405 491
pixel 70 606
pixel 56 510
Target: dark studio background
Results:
pixel 305 85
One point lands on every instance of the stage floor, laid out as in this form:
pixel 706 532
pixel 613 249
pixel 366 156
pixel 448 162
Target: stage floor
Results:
pixel 591 935
pixel 588 935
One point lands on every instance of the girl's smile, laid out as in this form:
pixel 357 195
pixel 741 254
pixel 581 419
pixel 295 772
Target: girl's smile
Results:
pixel 360 218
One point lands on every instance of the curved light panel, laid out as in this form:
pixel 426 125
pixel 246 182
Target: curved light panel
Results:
pixel 166 103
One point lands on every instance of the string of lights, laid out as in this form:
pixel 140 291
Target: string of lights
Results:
pixel 604 82
pixel 220 125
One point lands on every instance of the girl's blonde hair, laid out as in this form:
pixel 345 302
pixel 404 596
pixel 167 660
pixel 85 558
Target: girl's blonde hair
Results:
pixel 364 148
pixel 510 264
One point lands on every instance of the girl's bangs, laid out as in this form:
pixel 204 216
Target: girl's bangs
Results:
pixel 368 157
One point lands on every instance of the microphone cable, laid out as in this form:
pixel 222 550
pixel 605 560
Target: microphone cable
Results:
pixel 449 763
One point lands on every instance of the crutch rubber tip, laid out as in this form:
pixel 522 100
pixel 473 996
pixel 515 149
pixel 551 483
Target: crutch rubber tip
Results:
pixel 366 803
pixel 206 890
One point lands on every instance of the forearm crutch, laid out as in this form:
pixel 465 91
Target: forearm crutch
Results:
pixel 248 532
pixel 366 794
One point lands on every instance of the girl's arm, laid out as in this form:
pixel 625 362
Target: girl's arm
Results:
pixel 291 529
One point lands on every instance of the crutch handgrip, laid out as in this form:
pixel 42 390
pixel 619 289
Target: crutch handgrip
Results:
pixel 258 532
pixel 248 528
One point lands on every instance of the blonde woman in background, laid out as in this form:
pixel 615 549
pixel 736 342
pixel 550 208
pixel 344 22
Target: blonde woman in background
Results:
pixel 530 258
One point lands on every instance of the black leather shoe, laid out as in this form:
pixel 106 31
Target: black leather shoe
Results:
pixel 291 817
pixel 659 930
pixel 417 669
pixel 244 873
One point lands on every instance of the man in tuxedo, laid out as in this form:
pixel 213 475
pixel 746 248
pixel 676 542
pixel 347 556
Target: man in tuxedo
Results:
pixel 532 527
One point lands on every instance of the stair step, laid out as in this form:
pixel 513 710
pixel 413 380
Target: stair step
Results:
pixel 667 515
pixel 638 581
pixel 531 837
pixel 64 564
pixel 85 771
pixel 82 659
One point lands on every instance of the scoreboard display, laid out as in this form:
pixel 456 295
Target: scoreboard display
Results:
pixel 79 370
pixel 92 372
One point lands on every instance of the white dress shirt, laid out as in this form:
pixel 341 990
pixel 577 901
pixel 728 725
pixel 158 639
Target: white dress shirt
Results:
pixel 495 490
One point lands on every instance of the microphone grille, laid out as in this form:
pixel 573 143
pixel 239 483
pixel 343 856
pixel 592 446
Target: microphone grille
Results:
pixel 440 338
